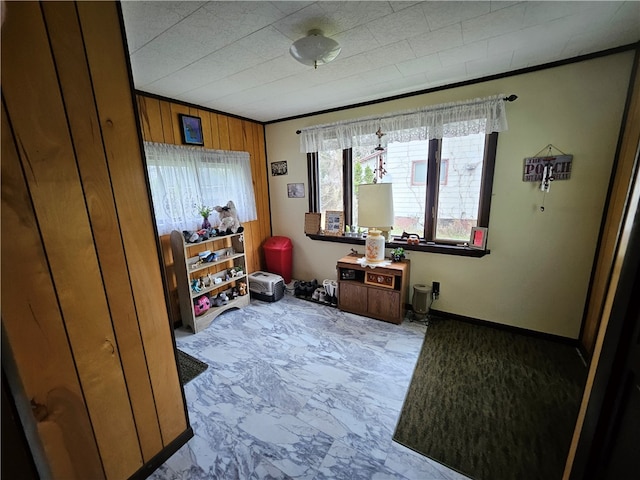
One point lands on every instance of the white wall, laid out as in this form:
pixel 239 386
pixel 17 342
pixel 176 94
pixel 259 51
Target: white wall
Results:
pixel 537 274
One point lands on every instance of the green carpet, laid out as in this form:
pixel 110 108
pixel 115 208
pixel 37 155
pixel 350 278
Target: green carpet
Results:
pixel 491 404
pixel 190 367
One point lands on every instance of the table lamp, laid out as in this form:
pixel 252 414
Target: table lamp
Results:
pixel 375 211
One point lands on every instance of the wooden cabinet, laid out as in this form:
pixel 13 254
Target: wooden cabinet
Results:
pixel 379 292
pixel 210 277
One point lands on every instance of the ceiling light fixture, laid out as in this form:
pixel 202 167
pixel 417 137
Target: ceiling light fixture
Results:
pixel 315 49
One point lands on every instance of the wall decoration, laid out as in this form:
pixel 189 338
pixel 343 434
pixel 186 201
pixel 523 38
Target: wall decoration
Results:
pixel 279 168
pixel 334 222
pixel 191 128
pixel 295 190
pixel 478 238
pixel 548 166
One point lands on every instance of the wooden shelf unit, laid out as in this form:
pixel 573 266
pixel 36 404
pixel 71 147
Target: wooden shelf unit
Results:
pixel 230 251
pixel 379 292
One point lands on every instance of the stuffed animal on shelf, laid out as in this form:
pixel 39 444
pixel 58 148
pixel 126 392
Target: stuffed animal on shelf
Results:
pixel 229 222
pixel 242 288
pixel 236 272
pixel 220 300
pixel 202 304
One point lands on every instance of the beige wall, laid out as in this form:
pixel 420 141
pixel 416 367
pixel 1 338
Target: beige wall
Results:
pixel 537 274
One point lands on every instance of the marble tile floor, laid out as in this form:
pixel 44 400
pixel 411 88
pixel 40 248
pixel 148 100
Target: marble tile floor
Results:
pixel 298 390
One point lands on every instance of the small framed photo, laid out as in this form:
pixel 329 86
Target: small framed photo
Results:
pixel 334 222
pixel 295 190
pixel 191 128
pixel 279 168
pixel 478 238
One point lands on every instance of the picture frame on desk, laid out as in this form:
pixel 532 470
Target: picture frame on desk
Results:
pixel 478 240
pixel 334 222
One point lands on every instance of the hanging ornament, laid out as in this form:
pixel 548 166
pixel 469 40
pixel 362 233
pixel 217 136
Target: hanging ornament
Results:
pixel 380 171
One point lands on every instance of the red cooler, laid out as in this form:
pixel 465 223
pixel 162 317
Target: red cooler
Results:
pixel 277 254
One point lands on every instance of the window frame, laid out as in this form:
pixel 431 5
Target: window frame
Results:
pixel 427 243
pixel 413 173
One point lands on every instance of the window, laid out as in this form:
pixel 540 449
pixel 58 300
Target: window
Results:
pixel 440 198
pixel 419 173
pixel 442 212
pixel 181 178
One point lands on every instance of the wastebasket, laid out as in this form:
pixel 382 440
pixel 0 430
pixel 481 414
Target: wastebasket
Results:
pixel 277 254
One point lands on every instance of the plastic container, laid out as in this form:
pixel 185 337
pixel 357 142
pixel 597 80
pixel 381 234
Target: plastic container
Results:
pixel 278 256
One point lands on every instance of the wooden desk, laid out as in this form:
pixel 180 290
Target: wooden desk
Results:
pixel 379 292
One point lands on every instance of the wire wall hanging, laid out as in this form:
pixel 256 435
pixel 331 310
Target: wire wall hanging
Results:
pixel 546 167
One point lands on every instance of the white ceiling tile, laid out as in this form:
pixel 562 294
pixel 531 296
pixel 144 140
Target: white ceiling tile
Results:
pixel 495 23
pixel 537 35
pixel 355 41
pixel 499 4
pixel 156 17
pixel 490 66
pixel 449 74
pixel 244 18
pixel 298 24
pixel 150 64
pixel 389 54
pixel 208 69
pixel 627 15
pixel 582 43
pixel 432 42
pixel 406 23
pixel 466 53
pixel 537 13
pixel 442 14
pixel 419 65
pixel 398 5
pixel 346 15
pixel 266 43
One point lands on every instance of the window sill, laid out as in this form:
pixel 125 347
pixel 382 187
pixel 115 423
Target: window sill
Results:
pixel 444 249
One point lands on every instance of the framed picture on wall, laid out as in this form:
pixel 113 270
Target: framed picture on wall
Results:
pixel 478 238
pixel 191 128
pixel 279 168
pixel 334 222
pixel 295 190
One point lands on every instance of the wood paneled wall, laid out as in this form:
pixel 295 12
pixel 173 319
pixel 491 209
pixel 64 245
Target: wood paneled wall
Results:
pixel 87 343
pixel 160 123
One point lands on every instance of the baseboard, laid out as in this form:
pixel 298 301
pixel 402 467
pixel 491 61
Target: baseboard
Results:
pixel 509 328
pixel 153 464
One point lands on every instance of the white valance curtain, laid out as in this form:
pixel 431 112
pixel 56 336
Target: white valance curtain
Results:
pixel 183 178
pixel 456 119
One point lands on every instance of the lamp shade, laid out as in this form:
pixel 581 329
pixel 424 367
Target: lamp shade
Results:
pixel 315 49
pixel 375 205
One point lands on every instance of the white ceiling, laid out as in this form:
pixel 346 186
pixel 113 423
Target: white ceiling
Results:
pixel 234 56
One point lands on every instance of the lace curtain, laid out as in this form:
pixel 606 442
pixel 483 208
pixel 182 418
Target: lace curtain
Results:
pixel 182 178
pixel 456 119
